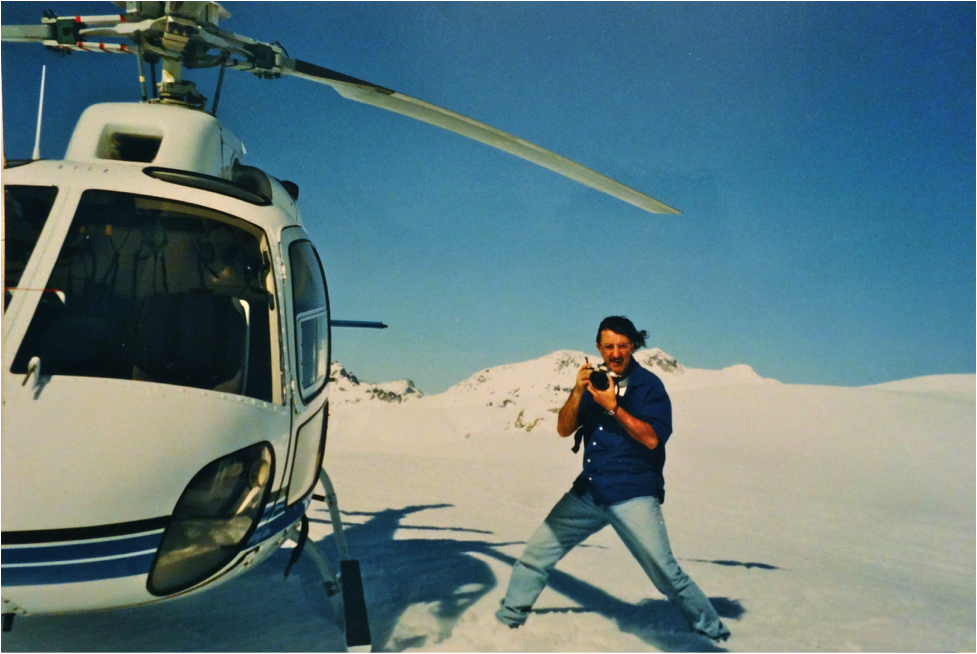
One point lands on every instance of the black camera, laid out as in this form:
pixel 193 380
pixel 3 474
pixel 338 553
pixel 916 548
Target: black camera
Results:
pixel 601 379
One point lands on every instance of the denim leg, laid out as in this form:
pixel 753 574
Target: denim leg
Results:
pixel 640 524
pixel 570 522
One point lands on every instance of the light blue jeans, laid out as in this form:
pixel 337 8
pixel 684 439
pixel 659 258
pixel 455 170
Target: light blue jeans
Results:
pixel 640 525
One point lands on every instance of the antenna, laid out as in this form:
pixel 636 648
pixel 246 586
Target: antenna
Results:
pixel 40 112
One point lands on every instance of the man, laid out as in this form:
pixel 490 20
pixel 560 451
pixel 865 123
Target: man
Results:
pixel 624 428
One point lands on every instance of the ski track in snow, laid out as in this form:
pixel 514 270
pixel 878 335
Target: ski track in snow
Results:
pixel 815 518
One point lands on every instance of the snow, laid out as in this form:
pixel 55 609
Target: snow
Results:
pixel 816 518
pixel 954 386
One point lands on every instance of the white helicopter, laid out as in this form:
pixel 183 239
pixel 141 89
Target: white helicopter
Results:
pixel 166 332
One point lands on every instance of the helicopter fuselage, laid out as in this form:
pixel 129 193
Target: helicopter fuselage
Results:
pixel 165 364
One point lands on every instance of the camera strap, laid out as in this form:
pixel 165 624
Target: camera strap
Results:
pixel 577 439
pixel 578 436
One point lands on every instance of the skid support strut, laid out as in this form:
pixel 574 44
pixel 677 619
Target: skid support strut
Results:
pixel 349 581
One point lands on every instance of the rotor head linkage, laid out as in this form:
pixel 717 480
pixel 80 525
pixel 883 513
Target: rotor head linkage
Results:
pixel 174 89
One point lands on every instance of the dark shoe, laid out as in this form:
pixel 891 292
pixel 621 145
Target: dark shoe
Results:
pixel 721 637
pixel 512 617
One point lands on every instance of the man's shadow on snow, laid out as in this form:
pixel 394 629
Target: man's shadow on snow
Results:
pixel 655 621
pixel 749 565
pixel 440 579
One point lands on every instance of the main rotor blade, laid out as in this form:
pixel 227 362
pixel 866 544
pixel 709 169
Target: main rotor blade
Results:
pixel 25 33
pixel 378 96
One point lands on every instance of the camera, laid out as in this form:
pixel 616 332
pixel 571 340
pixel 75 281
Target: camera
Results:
pixel 601 378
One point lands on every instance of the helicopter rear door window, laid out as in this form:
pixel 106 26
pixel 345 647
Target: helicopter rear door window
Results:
pixel 311 306
pixel 26 209
pixel 156 290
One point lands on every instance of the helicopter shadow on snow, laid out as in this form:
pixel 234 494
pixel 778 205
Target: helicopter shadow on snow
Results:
pixel 435 580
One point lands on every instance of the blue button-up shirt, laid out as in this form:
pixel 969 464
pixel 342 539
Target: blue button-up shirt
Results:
pixel 617 468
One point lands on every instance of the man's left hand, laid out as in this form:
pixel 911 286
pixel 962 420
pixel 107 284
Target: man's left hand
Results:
pixel 606 398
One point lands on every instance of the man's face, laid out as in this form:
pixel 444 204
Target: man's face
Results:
pixel 616 351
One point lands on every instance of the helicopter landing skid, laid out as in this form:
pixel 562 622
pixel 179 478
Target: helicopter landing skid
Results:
pixel 347 586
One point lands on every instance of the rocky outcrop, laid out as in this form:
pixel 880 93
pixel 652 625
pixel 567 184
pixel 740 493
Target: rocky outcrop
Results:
pixel 347 388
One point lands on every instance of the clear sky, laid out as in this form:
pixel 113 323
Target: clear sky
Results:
pixel 823 156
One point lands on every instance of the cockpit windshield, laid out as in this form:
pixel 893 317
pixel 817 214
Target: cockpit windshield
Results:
pixel 157 290
pixel 26 209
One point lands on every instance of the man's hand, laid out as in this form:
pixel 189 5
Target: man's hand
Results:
pixel 566 422
pixel 607 398
pixel 583 379
pixel 637 429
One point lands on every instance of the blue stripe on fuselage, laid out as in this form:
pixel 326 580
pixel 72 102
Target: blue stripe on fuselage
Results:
pixel 276 519
pixel 68 552
pixel 68 573
pixel 72 562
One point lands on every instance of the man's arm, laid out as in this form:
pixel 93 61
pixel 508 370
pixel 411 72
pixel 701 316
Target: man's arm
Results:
pixel 637 429
pixel 567 423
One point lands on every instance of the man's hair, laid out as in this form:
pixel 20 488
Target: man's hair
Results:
pixel 624 327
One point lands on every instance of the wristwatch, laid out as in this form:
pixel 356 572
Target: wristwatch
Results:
pixel 613 411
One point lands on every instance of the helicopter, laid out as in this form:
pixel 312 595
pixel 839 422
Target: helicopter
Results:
pixel 167 331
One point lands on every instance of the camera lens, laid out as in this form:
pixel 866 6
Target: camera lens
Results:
pixel 599 380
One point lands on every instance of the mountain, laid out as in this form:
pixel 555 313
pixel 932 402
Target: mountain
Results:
pixel 552 376
pixel 346 388
pixel 532 392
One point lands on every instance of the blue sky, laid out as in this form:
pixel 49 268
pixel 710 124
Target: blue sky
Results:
pixel 822 154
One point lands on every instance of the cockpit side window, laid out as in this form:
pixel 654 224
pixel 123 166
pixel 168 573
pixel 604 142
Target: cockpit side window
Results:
pixel 157 290
pixel 26 209
pixel 311 307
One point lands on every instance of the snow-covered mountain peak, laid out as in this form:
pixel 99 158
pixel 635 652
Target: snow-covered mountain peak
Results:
pixel 347 388
pixel 338 374
pixel 658 361
pixel 542 384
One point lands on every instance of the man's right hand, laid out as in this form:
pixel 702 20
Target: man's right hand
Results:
pixel 583 379
pixel 566 422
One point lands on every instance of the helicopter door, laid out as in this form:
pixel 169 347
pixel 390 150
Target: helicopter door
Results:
pixel 309 351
